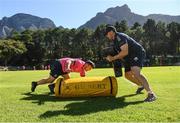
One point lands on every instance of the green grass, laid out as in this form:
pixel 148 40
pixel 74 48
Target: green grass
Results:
pixel 17 104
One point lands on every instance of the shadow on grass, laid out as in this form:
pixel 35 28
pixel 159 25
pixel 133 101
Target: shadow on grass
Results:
pixel 40 99
pixel 82 106
pixel 91 105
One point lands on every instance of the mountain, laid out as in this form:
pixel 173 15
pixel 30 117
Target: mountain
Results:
pixel 112 15
pixel 20 22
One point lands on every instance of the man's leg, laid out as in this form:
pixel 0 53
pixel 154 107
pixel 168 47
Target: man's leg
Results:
pixel 141 78
pixel 52 86
pixel 136 71
pixel 49 79
pixel 130 76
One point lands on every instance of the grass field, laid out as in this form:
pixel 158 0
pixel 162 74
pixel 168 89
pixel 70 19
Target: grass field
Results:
pixel 17 104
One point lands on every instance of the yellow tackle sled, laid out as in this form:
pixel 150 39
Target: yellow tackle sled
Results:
pixel 86 87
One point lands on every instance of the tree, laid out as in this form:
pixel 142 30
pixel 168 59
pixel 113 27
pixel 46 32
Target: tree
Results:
pixel 10 48
pixel 99 41
pixel 137 34
pixel 150 35
pixel 80 43
pixel 174 30
pixel 38 49
pixel 15 35
pixel 122 26
pixel 161 43
pixel 135 26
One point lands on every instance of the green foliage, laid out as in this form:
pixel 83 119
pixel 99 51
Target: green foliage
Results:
pixel 136 25
pixel 10 48
pixel 122 26
pixel 158 39
pixel 174 30
pixel 19 105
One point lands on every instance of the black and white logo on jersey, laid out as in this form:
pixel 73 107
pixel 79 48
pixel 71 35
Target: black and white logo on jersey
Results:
pixel 135 59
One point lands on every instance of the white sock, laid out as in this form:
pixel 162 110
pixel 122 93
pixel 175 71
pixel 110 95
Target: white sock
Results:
pixel 150 92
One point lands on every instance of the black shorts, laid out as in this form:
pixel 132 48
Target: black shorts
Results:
pixel 56 69
pixel 135 59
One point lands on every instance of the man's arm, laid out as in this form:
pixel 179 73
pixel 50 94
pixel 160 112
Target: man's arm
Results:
pixel 82 73
pixel 66 76
pixel 67 66
pixel 121 55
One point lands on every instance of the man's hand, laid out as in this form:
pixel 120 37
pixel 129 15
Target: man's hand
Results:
pixel 120 55
pixel 66 76
pixel 109 58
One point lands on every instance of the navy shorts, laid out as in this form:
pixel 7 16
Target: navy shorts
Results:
pixel 135 59
pixel 56 69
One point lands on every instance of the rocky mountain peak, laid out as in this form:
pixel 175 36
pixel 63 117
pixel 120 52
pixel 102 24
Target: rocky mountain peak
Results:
pixel 118 10
pixel 117 14
pixel 21 21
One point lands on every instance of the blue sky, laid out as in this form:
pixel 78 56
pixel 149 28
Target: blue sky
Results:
pixel 74 13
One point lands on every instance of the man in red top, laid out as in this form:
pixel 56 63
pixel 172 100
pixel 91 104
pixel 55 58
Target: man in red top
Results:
pixel 63 67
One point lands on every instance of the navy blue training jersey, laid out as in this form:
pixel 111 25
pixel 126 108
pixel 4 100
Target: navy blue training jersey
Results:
pixel 133 46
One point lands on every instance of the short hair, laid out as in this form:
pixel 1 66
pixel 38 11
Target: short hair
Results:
pixel 109 28
pixel 90 63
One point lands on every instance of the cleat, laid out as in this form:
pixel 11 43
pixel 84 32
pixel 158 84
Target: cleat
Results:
pixel 150 98
pixel 33 86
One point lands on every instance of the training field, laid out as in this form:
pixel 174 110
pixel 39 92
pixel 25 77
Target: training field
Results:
pixel 18 104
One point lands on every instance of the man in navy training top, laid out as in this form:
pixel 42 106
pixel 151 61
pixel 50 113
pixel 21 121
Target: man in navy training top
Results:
pixel 132 54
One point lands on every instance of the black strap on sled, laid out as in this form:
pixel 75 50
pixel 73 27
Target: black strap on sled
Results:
pixel 60 86
pixel 111 85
